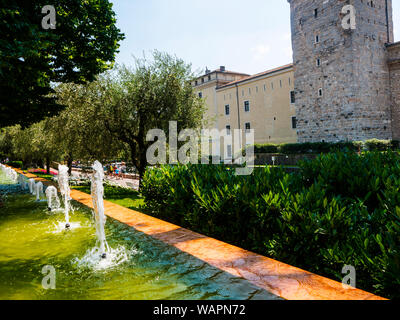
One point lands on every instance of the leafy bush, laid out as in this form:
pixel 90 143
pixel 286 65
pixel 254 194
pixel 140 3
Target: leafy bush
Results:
pixel 378 145
pixel 339 209
pixel 15 164
pixel 328 147
pixel 265 148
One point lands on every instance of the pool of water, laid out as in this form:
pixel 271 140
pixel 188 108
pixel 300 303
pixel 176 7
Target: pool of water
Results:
pixel 139 267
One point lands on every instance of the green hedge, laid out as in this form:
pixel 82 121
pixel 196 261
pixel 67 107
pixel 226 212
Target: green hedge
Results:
pixel 15 164
pixel 339 209
pixel 327 147
pixel 266 148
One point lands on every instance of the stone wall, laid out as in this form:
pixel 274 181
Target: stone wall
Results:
pixel 394 66
pixel 353 72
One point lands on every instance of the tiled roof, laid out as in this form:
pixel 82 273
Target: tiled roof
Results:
pixel 287 66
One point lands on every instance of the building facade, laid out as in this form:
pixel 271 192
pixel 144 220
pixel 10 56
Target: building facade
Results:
pixel 343 85
pixel 264 102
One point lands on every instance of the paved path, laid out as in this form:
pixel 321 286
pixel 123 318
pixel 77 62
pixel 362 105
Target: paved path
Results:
pixel 129 181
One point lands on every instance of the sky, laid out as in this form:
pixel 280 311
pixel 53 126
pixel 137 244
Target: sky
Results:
pixel 248 36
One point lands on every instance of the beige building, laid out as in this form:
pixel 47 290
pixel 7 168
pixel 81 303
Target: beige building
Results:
pixel 264 102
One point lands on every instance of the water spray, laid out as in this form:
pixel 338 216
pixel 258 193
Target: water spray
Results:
pixel 63 184
pixel 97 192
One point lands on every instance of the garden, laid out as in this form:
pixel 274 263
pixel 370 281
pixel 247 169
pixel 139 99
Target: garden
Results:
pixel 339 209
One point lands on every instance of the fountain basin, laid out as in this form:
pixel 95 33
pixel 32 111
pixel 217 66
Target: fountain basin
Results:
pixel 138 267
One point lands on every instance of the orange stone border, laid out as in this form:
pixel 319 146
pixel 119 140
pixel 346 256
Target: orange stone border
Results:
pixel 285 281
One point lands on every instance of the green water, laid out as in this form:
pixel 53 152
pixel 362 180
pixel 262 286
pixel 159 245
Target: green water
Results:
pixel 140 267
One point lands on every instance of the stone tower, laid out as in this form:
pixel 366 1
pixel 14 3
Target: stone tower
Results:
pixel 341 74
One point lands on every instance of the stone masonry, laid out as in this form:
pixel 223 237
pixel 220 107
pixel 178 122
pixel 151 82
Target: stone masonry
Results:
pixel 394 67
pixel 346 81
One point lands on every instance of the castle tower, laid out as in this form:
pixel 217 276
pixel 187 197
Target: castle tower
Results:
pixel 341 74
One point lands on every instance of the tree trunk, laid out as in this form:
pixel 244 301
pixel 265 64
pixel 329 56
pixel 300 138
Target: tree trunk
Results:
pixel 69 163
pixel 142 171
pixel 140 162
pixel 48 161
pixel 41 163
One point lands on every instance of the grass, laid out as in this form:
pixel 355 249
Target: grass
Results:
pixel 127 198
pixel 44 176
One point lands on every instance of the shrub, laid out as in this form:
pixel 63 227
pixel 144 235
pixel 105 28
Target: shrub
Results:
pixel 15 164
pixel 265 148
pixel 339 209
pixel 378 145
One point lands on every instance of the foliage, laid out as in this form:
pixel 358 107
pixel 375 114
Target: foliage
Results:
pixel 83 45
pixel 378 145
pixel 150 96
pixel 78 131
pixel 339 209
pixel 327 147
pixel 266 148
pixel 15 164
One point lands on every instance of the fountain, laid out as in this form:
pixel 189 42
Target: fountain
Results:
pixel 39 191
pixel 10 173
pixel 97 192
pixel 22 182
pixel 63 184
pixel 53 202
pixel 31 185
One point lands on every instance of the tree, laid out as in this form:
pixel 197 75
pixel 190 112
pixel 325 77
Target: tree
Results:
pixel 133 101
pixel 6 141
pixel 82 45
pixel 78 131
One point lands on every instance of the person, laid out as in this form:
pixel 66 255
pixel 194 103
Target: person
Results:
pixel 111 170
pixel 116 172
pixel 123 168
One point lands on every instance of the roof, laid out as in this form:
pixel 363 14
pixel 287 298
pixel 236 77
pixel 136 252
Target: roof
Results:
pixel 258 75
pixel 393 44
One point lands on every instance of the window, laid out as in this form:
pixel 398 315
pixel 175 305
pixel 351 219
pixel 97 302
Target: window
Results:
pixel 247 106
pixel 317 38
pixel 294 123
pixel 229 151
pixel 316 13
pixel 200 95
pixel 209 78
pixel 292 97
pixel 320 92
pixel 228 130
pixel 202 80
pixel 196 83
pixel 280 83
pixel 318 62
pixel 248 127
pixel 227 110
